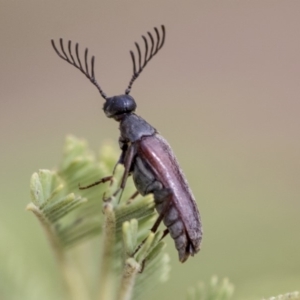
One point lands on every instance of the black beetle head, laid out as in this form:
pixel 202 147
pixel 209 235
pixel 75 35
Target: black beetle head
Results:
pixel 116 106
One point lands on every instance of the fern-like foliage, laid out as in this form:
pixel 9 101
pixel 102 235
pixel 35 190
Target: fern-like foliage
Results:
pixel 288 296
pixel 215 290
pixel 95 238
pixel 95 241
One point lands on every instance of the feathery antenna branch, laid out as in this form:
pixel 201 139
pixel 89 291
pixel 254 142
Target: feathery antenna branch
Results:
pixel 155 47
pixel 77 63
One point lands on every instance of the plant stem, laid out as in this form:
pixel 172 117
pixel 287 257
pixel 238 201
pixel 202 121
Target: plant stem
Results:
pixel 131 268
pixel 72 280
pixel 106 276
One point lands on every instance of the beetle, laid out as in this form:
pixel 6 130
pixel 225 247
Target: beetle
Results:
pixel 145 154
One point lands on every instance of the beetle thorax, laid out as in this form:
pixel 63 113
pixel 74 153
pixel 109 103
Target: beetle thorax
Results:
pixel 133 128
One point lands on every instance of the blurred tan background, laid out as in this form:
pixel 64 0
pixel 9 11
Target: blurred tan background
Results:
pixel 224 91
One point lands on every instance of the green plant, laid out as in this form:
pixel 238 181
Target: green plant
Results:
pixel 288 296
pixel 94 236
pixel 215 290
pixel 75 220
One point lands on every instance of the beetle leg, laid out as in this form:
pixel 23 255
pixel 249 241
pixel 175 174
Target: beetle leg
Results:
pixel 143 263
pixel 128 158
pixel 102 180
pixel 132 197
pixel 167 198
pixel 164 193
pixel 141 270
pixel 125 159
pixel 120 161
pixel 107 178
pixel 166 232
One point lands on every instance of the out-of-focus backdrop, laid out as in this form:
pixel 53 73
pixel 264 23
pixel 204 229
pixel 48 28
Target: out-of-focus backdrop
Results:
pixel 224 91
